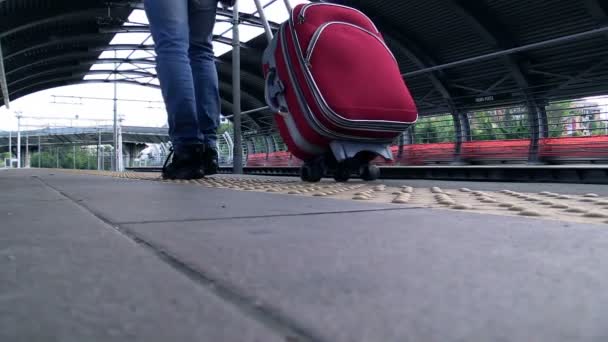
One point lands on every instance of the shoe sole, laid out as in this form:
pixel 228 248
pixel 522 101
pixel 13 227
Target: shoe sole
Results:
pixel 185 176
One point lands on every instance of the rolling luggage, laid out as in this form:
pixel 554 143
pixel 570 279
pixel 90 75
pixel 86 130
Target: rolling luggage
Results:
pixel 337 91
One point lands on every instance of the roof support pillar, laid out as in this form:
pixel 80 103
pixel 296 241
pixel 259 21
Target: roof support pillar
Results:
pixel 534 134
pixel 539 128
pixel 237 162
pixel 400 143
pixel 268 145
pixel 250 144
pixel 251 148
pixel 466 126
pixel 405 138
pixel 462 131
pixel 3 82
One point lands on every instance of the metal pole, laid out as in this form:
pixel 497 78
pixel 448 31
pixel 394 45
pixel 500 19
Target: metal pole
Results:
pixel 288 6
pixel 3 82
pixel 74 159
pixel 563 39
pixel 57 157
pixel 18 141
pixel 236 84
pixel 230 145
pixel 39 153
pixel 119 160
pixel 10 148
pixel 98 150
pixel 265 23
pixel 115 159
pixel 27 150
pixel 251 111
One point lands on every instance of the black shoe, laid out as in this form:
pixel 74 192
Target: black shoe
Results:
pixel 186 163
pixel 227 3
pixel 210 160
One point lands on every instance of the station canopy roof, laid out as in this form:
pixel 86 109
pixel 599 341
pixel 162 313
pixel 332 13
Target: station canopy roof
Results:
pixel 456 55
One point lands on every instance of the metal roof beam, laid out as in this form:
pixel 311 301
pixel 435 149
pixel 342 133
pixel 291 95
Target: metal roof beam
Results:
pixel 92 37
pixel 423 60
pixel 492 55
pixel 146 29
pixel 577 78
pixel 226 88
pixel 3 82
pixel 497 83
pixel 80 39
pixel 406 44
pixel 485 24
pixel 243 17
pixel 248 123
pixel 83 58
pixel 44 19
pixel 78 67
pixel 598 10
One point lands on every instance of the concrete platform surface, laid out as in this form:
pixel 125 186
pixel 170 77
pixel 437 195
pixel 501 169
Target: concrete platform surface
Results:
pixel 89 258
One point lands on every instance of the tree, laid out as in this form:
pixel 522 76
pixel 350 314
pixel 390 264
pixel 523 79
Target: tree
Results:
pixel 224 127
pixel 557 114
pixel 434 129
pixel 64 158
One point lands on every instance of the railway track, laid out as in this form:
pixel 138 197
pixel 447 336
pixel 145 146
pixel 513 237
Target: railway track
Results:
pixel 584 174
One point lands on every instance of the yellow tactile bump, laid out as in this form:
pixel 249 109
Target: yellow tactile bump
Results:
pixel 584 208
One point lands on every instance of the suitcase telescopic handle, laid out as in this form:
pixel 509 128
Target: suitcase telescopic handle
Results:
pixel 265 23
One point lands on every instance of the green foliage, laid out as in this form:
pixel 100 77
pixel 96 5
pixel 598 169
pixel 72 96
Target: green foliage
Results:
pixel 63 157
pixel 434 129
pixel 557 113
pixel 510 123
pixel 224 127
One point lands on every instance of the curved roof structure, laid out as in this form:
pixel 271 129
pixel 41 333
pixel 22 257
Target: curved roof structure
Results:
pixel 87 135
pixel 456 55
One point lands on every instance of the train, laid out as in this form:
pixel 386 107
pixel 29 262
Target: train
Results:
pixel 562 150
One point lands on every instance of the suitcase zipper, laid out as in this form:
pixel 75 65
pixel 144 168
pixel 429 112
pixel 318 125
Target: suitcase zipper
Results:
pixel 317 35
pixel 306 62
pixel 302 15
pixel 320 128
pixel 335 117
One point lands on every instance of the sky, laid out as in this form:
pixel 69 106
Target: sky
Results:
pixel 44 108
pixel 51 108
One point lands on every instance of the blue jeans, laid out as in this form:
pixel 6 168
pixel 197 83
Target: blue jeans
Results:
pixel 183 31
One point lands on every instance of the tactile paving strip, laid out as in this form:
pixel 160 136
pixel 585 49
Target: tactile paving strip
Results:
pixel 584 208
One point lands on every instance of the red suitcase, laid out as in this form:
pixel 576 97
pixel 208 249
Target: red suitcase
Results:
pixel 337 90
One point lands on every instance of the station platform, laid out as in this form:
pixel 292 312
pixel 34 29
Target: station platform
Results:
pixel 90 256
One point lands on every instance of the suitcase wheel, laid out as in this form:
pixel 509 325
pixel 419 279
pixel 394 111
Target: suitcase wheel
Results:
pixel 342 173
pixel 312 171
pixel 345 169
pixel 369 172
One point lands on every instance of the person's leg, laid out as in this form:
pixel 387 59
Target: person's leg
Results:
pixel 170 31
pixel 202 61
pixel 169 28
